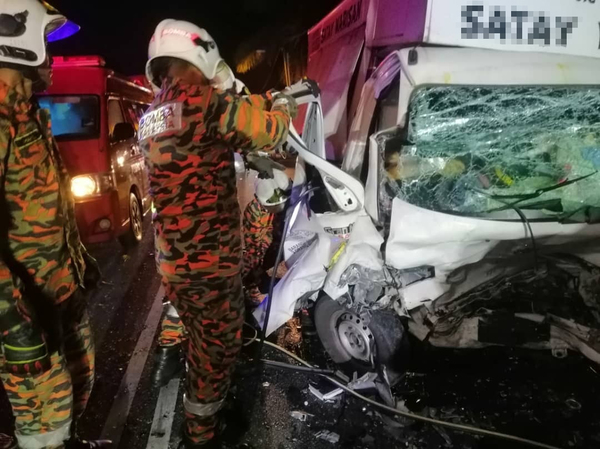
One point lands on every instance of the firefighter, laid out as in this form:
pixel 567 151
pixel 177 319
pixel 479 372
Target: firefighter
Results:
pixel 263 226
pixel 188 137
pixel 47 354
pixel 169 357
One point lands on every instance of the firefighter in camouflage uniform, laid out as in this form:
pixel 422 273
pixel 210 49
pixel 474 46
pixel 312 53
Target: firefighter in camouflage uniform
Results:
pixel 189 136
pixel 47 355
pixel 263 227
pixel 169 360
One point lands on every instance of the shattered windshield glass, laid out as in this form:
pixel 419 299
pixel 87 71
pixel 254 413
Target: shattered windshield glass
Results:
pixel 482 150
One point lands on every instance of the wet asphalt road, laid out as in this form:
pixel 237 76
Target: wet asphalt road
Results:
pixel 520 392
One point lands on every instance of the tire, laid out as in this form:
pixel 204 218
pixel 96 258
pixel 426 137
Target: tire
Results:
pixel 385 332
pixel 135 233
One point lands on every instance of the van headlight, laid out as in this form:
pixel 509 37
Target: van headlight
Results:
pixel 86 186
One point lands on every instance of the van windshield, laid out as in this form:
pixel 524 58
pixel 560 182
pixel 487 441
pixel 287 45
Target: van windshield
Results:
pixel 74 117
pixel 482 151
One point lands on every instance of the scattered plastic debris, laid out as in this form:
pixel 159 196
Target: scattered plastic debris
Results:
pixel 573 404
pixel 366 382
pixel 266 384
pixel 327 397
pixel 328 436
pixel 300 416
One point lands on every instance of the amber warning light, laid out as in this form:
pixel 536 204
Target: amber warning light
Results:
pixel 78 61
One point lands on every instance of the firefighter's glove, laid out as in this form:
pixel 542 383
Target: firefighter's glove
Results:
pixel 25 352
pixel 263 165
pixel 283 102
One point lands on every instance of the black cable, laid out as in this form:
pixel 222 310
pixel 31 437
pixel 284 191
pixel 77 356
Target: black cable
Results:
pixel 302 369
pixel 532 236
pixel 524 219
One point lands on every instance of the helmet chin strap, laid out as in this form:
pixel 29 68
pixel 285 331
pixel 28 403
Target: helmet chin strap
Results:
pixel 38 84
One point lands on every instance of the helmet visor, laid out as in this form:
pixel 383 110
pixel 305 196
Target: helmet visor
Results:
pixel 59 29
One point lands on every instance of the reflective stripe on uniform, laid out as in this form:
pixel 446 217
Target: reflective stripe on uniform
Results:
pixel 56 438
pixel 197 409
pixel 171 311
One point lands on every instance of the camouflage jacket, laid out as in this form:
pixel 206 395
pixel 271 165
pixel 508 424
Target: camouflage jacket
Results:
pixel 43 234
pixel 188 137
pixel 258 236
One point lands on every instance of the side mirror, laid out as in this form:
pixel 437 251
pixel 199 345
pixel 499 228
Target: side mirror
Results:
pixel 122 132
pixel 240 166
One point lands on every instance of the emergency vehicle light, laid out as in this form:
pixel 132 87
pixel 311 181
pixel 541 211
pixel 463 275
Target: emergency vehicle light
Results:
pixel 78 61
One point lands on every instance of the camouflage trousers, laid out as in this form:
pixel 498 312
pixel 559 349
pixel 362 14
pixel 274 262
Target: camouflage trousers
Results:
pixel 212 311
pixel 46 405
pixel 172 332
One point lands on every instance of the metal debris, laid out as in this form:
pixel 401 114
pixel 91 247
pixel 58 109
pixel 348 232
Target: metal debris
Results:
pixel 326 435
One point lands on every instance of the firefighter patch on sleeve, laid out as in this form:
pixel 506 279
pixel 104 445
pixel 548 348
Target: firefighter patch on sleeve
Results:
pixel 164 119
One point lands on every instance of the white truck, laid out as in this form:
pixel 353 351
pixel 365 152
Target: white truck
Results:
pixel 467 206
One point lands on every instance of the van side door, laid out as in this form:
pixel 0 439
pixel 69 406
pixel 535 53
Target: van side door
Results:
pixel 133 113
pixel 123 157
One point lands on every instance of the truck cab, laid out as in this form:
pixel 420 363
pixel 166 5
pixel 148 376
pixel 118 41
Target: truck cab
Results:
pixel 469 139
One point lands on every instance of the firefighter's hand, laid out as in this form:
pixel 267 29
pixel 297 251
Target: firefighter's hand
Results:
pixel 26 352
pixel 286 103
pixel 263 165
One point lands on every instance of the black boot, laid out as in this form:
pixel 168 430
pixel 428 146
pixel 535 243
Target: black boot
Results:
pixel 168 364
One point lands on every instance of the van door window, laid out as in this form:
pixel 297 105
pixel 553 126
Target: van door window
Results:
pixel 74 117
pixel 378 103
pixel 115 115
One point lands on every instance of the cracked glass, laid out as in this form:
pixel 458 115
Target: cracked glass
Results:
pixel 482 151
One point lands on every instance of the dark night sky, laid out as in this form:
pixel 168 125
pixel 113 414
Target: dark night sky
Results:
pixel 120 30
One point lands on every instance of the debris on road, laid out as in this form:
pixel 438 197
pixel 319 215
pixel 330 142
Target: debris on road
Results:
pixel 328 436
pixel 365 382
pixel 300 416
pixel 327 397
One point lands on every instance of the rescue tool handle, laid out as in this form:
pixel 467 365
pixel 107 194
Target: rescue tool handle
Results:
pixel 304 88
pixel 305 91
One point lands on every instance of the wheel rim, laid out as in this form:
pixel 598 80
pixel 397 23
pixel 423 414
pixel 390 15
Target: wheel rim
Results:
pixel 136 219
pixel 355 336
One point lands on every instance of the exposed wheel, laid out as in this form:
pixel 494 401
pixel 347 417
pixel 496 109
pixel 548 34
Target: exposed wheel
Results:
pixel 135 233
pixel 360 346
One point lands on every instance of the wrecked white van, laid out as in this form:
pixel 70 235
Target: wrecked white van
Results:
pixel 468 200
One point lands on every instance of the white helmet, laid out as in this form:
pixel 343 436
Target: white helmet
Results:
pixel 225 80
pixel 273 191
pixel 186 41
pixel 26 26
